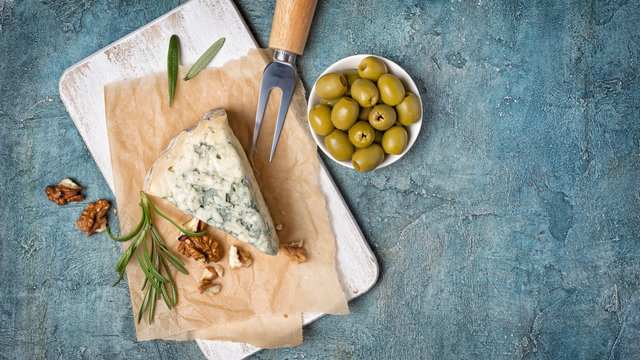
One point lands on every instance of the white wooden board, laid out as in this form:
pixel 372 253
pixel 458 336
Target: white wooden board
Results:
pixel 198 23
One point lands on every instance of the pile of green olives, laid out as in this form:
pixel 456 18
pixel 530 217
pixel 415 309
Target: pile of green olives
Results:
pixel 363 114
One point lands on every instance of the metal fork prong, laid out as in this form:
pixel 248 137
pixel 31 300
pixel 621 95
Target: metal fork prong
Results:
pixel 262 105
pixel 282 113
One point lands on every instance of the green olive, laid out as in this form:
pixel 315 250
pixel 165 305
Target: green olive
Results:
pixel 364 113
pixel 361 134
pixel 381 117
pixel 339 145
pixel 364 92
pixel 345 113
pixel 391 89
pixel 331 102
pixel 320 120
pixel 331 85
pixel 367 159
pixel 378 139
pixel 371 68
pixel 409 110
pixel 351 75
pixel 394 140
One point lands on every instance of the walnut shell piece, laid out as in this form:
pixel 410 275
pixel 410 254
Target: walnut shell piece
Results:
pixel 94 217
pixel 202 248
pixel 65 192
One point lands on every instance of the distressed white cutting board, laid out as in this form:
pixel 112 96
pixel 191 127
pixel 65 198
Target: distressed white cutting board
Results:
pixel 198 23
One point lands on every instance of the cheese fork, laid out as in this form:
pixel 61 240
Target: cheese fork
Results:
pixel 289 30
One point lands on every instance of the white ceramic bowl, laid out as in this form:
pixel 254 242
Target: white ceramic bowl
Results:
pixel 352 62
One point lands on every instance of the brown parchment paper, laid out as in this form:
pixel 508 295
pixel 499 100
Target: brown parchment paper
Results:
pixel 262 304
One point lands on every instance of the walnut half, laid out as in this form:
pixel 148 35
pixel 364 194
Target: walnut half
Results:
pixel 65 192
pixel 94 217
pixel 202 248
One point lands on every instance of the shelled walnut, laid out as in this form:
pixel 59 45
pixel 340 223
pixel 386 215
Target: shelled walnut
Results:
pixel 202 248
pixel 218 269
pixel 211 287
pixel 239 257
pixel 194 225
pixel 209 274
pixel 206 281
pixel 65 192
pixel 296 254
pixel 94 217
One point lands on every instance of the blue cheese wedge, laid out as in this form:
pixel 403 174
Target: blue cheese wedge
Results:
pixel 205 173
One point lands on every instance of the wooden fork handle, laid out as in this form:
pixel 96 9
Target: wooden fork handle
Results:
pixel 291 22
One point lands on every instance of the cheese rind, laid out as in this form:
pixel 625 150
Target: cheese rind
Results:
pixel 205 173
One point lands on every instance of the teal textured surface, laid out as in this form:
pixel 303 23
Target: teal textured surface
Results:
pixel 510 230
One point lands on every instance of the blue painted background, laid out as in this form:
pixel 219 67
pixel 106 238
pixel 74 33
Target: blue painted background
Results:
pixel 511 229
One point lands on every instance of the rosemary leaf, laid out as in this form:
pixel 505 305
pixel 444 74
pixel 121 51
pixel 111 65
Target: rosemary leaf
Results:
pixel 174 295
pixel 119 279
pixel 127 237
pixel 145 302
pixel 152 303
pixel 205 59
pixel 177 266
pixel 176 225
pixel 172 66
pixel 165 296
pixel 151 267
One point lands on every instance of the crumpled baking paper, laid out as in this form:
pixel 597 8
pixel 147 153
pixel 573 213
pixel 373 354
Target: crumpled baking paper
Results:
pixel 261 304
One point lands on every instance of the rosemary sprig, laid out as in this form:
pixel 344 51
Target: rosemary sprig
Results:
pixel 172 66
pixel 151 252
pixel 205 58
